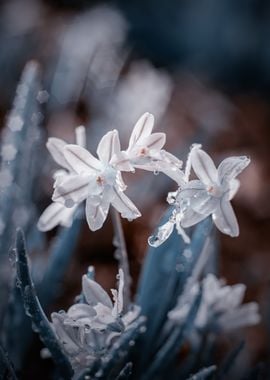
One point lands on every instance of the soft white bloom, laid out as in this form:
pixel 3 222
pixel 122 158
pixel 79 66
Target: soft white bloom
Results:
pixel 88 329
pixel 57 213
pixel 211 194
pixel 145 151
pixel 98 181
pixel 221 307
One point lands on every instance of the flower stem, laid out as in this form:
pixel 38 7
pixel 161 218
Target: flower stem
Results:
pixel 121 255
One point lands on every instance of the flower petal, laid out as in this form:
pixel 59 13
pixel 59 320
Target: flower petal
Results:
pixel 94 293
pixel 191 218
pixel 155 141
pixel 80 136
pixel 121 161
pixel 56 149
pixel 225 219
pixel 97 211
pixel 131 315
pixel 191 189
pixel 104 316
pixel 81 160
pixel 231 167
pixel 203 166
pixel 81 311
pixel 246 315
pixel 124 205
pixel 64 333
pixel 164 162
pixel 143 128
pixel 234 186
pixel 74 189
pixel 118 295
pixel 108 146
pixel 55 214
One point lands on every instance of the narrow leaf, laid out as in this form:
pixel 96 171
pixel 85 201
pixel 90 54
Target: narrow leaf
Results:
pixel 34 310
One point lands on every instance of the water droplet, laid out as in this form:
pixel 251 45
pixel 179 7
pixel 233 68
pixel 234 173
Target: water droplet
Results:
pixel 131 343
pixel 162 234
pixel 143 329
pixel 15 123
pixel 45 353
pixel 156 172
pixel 42 96
pixel 69 203
pixel 187 253
pixel 180 268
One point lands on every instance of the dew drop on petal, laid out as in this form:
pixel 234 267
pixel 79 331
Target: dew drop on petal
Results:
pixel 69 203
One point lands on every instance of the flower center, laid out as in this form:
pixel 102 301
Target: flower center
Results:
pixel 143 152
pixel 107 176
pixel 214 190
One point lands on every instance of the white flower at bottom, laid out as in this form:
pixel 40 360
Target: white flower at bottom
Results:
pixel 221 307
pixel 87 330
pixel 98 181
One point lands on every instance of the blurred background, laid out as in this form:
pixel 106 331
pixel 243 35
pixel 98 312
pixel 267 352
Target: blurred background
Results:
pixel 201 67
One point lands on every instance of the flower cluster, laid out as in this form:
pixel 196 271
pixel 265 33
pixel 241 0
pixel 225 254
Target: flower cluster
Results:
pixel 99 181
pixel 221 307
pixel 89 328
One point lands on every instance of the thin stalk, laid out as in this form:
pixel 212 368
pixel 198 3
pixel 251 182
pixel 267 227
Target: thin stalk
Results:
pixel 121 255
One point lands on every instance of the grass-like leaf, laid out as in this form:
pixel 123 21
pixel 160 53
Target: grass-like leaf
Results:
pixel 34 310
pixel 167 353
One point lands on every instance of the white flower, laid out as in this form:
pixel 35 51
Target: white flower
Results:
pixel 88 329
pixel 211 194
pixel 221 307
pixel 98 181
pixel 145 151
pixel 57 213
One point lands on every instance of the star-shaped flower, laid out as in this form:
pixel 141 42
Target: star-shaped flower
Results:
pixel 221 307
pixel 212 192
pixel 145 151
pixel 88 329
pixel 98 181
